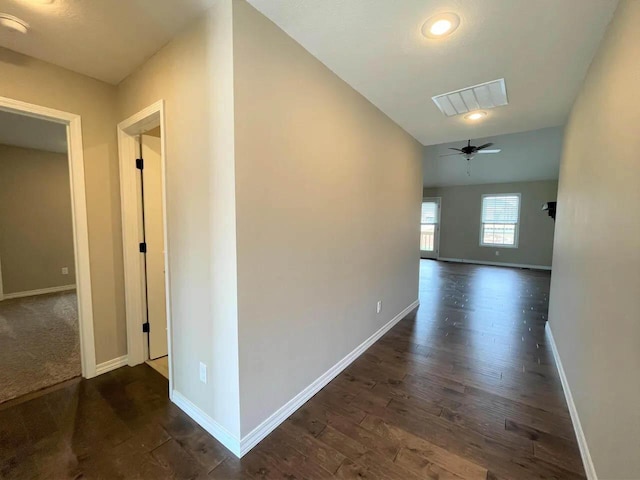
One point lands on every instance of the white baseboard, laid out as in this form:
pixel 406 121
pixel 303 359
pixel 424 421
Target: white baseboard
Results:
pixel 496 264
pixel 205 421
pixel 112 364
pixel 40 291
pixel 577 426
pixel 241 447
pixel 266 427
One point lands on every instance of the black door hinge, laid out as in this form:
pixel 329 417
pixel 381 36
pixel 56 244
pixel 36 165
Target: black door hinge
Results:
pixel 139 163
pixel 145 327
pixel 143 247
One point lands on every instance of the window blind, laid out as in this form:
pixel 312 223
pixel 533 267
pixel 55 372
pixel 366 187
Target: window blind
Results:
pixel 502 209
pixel 429 212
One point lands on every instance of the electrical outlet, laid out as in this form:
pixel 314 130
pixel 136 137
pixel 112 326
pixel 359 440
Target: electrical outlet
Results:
pixel 203 373
pixel 379 306
pixel 65 270
pixel 497 253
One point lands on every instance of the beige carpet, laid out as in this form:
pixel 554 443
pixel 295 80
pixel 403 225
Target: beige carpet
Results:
pixel 39 343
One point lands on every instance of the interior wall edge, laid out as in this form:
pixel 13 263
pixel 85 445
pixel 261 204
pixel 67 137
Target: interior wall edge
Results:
pixel 219 432
pixel 240 447
pixel 280 415
pixel 587 462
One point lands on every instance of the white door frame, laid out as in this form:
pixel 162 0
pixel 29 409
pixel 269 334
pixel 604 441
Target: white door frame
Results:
pixel 79 218
pixel 128 130
pixel 436 240
pixel 1 287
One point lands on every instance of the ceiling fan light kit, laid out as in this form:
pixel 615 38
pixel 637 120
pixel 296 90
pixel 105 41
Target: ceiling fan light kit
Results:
pixel 470 151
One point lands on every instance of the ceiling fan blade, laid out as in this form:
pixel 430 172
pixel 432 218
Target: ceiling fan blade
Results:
pixel 497 150
pixel 486 145
pixel 456 149
pixel 450 154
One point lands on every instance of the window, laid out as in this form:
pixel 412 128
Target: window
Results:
pixel 428 223
pixel 500 220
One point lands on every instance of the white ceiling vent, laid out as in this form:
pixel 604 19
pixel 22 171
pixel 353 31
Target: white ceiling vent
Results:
pixel 479 97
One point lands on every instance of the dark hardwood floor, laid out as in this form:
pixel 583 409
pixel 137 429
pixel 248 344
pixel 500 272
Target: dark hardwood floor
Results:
pixel 465 388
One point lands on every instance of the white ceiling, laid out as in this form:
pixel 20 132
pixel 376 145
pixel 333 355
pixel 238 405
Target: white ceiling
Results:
pixel 527 156
pixel 104 39
pixel 29 132
pixel 541 47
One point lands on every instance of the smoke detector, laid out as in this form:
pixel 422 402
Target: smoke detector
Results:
pixel 13 24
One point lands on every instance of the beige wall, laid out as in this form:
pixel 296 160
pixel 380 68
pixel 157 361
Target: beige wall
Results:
pixel 328 195
pixel 208 172
pixel 594 308
pixel 194 76
pixel 30 80
pixel 36 230
pixel 460 222
pixel 328 207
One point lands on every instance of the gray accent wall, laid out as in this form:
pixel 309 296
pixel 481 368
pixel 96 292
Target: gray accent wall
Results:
pixel 460 223
pixel 36 229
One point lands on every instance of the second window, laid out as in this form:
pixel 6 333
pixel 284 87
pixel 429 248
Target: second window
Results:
pixel 500 220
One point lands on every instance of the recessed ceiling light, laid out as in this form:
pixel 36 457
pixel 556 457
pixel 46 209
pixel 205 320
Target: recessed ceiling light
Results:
pixel 440 25
pixel 475 116
pixel 13 24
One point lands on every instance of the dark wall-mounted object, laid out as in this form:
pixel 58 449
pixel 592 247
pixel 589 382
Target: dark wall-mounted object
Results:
pixel 550 207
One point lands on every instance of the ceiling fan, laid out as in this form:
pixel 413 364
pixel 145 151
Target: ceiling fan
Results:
pixel 470 151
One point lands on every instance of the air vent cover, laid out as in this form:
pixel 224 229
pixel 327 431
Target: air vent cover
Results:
pixel 479 97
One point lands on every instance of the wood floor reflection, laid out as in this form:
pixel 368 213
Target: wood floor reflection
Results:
pixel 464 388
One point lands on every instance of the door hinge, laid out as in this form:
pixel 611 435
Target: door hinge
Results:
pixel 143 247
pixel 139 163
pixel 145 327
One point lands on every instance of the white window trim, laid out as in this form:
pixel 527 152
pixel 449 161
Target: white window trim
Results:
pixel 436 200
pixel 517 232
pixel 436 252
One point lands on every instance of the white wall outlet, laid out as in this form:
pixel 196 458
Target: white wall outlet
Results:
pixel 379 306
pixel 203 373
pixel 65 270
pixel 497 253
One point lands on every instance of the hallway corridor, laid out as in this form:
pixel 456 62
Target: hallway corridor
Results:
pixel 465 388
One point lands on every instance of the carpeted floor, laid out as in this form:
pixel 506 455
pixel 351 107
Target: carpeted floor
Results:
pixel 39 343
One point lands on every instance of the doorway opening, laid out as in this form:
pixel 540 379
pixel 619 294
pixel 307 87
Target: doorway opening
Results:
pixel 46 314
pixel 430 228
pixel 142 186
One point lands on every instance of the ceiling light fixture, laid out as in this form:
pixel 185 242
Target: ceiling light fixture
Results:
pixel 13 24
pixel 441 25
pixel 475 116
